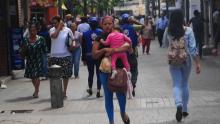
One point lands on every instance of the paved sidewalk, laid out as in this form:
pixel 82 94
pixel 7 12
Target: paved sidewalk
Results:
pixel 153 103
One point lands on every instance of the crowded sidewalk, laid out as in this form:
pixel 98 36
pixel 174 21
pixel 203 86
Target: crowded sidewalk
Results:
pixel 153 103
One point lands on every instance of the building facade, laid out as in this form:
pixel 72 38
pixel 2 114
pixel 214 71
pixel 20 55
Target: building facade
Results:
pixel 134 7
pixel 43 9
pixel 14 15
pixel 4 61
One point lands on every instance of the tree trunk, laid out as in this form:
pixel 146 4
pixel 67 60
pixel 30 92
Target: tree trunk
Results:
pixel 85 7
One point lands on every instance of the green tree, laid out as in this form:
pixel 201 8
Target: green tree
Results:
pixel 97 7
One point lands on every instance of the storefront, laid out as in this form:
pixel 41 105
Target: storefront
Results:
pixel 12 14
pixel 43 9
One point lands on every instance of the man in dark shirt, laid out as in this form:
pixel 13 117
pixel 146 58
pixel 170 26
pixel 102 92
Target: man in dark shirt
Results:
pixel 198 29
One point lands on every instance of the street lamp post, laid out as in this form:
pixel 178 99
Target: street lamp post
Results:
pixel 167 7
pixel 147 8
pixel 158 5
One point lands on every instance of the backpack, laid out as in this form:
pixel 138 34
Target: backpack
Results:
pixel 177 54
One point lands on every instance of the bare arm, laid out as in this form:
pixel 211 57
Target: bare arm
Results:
pixel 96 52
pixel 56 33
pixel 125 47
pixel 197 64
pixel 135 22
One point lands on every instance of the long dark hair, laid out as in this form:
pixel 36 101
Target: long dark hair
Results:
pixel 176 22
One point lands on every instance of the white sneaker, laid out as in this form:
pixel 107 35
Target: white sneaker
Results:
pixel 114 72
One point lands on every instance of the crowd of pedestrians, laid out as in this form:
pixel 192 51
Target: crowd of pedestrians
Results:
pixel 95 38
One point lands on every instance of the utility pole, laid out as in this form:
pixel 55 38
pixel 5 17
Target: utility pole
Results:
pixel 167 8
pixel 158 7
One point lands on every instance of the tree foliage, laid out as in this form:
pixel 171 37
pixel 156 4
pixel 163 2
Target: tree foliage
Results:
pixel 96 7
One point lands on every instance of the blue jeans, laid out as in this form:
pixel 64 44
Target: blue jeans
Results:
pixel 180 78
pixel 76 60
pixel 45 65
pixel 91 65
pixel 109 98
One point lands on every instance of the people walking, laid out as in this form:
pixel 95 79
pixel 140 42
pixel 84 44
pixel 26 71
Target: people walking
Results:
pixel 59 52
pixel 217 35
pixel 114 40
pixel 76 53
pixel 128 29
pixel 198 29
pixel 44 32
pixel 146 36
pixel 88 39
pixel 68 20
pixel 83 26
pixel 35 46
pixel 99 51
pixel 176 34
pixel 161 25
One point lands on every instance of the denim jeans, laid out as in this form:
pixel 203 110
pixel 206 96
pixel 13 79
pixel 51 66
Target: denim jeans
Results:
pixel 76 60
pixel 45 65
pixel 109 98
pixel 180 77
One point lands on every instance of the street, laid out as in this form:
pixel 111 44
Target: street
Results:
pixel 153 103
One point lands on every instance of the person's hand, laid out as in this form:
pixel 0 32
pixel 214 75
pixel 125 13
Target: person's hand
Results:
pixel 198 68
pixel 109 51
pixel 61 25
pixel 102 41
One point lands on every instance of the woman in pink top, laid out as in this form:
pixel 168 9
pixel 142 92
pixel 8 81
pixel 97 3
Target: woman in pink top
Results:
pixel 116 40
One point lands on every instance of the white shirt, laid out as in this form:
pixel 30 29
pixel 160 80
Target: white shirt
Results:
pixel 83 27
pixel 58 45
pixel 142 21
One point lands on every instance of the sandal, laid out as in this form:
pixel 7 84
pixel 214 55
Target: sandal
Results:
pixel 35 95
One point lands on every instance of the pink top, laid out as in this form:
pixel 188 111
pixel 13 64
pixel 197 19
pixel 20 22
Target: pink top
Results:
pixel 116 40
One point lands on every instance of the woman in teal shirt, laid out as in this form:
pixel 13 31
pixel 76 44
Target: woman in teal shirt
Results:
pixel 36 48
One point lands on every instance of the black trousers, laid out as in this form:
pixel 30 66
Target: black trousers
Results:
pixel 132 59
pixel 199 41
pixel 160 33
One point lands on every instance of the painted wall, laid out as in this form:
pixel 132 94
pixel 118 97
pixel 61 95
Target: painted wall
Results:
pixel 136 6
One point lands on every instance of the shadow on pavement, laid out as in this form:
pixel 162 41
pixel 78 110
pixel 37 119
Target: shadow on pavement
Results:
pixel 41 101
pixel 20 99
pixel 47 109
pixel 87 98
